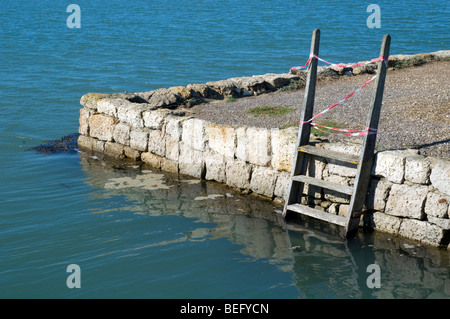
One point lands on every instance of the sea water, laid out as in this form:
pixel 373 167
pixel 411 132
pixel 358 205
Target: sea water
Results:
pixel 140 233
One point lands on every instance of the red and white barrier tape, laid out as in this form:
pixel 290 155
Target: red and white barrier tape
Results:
pixel 311 56
pixel 345 132
pixel 341 101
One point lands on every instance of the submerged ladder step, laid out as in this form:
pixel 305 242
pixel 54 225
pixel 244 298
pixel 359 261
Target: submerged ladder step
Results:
pixel 322 152
pixel 315 213
pixel 344 189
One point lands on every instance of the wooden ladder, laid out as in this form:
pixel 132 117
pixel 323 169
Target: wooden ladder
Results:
pixel 305 150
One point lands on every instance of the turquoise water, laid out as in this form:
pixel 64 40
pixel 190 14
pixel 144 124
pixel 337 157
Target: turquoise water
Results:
pixel 152 239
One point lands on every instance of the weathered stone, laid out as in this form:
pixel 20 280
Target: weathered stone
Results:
pixel 215 166
pixel 114 149
pixel 221 139
pixel 154 119
pixel 241 144
pixel 109 106
pixel 131 153
pixel 436 205
pixel 407 201
pixel 182 91
pixel 283 144
pixel 391 164
pixel 121 133
pixel 343 210
pixel 423 231
pixel 157 143
pixel 164 98
pixel 174 127
pixel 200 90
pixel 169 166
pixel 84 121
pixel 151 159
pixel 334 196
pixel 417 169
pixel 333 209
pixel 443 223
pixel 263 181
pixel 223 87
pixel 86 142
pixel 90 143
pixel 131 113
pixel 377 194
pixel 101 127
pixel 386 223
pixel 258 146
pixel 139 140
pixel 275 81
pixel 90 100
pixel 193 134
pixel 238 174
pixel 282 184
pixel 191 161
pixel 440 176
pixel 172 148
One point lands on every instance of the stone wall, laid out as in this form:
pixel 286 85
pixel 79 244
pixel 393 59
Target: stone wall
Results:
pixel 409 194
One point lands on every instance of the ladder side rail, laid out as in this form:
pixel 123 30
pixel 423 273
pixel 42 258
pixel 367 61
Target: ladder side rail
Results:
pixel 368 147
pixel 299 165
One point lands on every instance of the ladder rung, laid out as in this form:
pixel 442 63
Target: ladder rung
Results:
pixel 322 152
pixel 315 213
pixel 344 189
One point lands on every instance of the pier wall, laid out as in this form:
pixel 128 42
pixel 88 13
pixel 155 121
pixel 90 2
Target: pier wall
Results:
pixel 408 195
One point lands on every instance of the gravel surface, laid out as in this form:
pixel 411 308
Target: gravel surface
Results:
pixel 415 111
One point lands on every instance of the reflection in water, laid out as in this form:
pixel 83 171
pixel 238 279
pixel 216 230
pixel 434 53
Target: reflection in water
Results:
pixel 323 264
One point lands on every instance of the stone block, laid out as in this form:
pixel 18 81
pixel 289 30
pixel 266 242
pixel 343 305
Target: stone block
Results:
pixel 283 144
pixel 154 119
pixel 139 140
pixel 282 185
pixel 377 194
pixel 215 166
pixel 86 142
pixel 121 133
pixel 343 210
pixel 193 134
pixel 131 153
pixel 169 165
pixel 151 159
pixel 391 164
pixel 386 223
pixel 443 223
pixel 90 100
pixel 423 231
pixel 334 196
pixel 221 139
pixel 191 161
pixel 258 146
pixel 109 106
pixel 238 174
pixel 241 144
pixel 407 201
pixel 84 121
pixel 174 126
pixel 172 148
pixel 436 205
pixel 114 149
pixel 417 169
pixel 157 143
pixel 101 127
pixel 263 181
pixel 131 113
pixel 440 176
